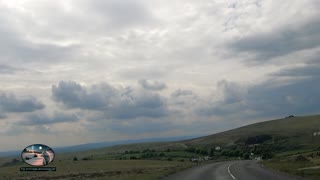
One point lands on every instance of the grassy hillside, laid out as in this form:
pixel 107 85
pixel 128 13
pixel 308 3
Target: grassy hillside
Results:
pixel 297 130
pixel 287 134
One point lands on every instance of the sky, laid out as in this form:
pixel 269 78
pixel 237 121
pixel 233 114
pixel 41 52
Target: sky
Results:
pixel 80 71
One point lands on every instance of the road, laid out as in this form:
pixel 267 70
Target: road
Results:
pixel 230 170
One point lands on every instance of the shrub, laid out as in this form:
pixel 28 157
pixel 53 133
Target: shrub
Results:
pixel 211 152
pixel 236 153
pixel 266 155
pixel 191 149
pixel 75 159
pixel 133 157
pixel 246 156
pixel 301 158
pixel 85 159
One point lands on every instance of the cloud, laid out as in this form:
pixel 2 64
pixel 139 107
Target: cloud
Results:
pixel 280 41
pixel 233 92
pixel 15 47
pixel 143 126
pixel 305 71
pixel 4 69
pixel 43 119
pixel 152 85
pixel 2 116
pixel 272 98
pixel 73 95
pixel 141 105
pixel 185 63
pixel 119 103
pixel 119 13
pixel 180 92
pixel 10 103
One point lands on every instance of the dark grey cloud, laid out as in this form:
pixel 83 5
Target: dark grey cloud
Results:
pixel 306 71
pixel 233 91
pixel 181 92
pixel 11 103
pixel 152 85
pixel 280 41
pixel 43 119
pixel 73 95
pixel 147 105
pixel 297 96
pixel 125 103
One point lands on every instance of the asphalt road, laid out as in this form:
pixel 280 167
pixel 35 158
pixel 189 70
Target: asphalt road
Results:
pixel 230 170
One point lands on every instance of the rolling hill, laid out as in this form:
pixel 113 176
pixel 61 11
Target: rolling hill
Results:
pixel 291 133
pixel 291 130
pixel 288 133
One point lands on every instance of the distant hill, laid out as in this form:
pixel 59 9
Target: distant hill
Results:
pixel 290 130
pixel 90 146
pixel 10 153
pixel 283 134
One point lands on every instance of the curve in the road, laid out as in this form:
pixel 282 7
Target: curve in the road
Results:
pixel 231 173
pixel 230 170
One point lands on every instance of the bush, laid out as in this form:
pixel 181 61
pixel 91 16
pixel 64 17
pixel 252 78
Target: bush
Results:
pixel 246 156
pixel 211 152
pixel 133 157
pixel 170 159
pixel 257 139
pixel 75 159
pixel 204 152
pixel 224 153
pixel 146 150
pixel 301 158
pixel 266 155
pixel 191 149
pixel 236 153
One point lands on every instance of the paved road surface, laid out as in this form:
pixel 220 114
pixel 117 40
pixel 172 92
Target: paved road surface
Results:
pixel 230 170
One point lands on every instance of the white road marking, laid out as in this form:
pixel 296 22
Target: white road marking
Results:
pixel 231 173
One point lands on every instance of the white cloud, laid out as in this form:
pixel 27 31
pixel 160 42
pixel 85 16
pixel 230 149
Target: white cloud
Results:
pixel 182 47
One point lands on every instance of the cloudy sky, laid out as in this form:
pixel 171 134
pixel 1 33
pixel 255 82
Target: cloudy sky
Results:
pixel 78 71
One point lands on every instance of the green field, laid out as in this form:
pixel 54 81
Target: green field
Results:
pixel 99 169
